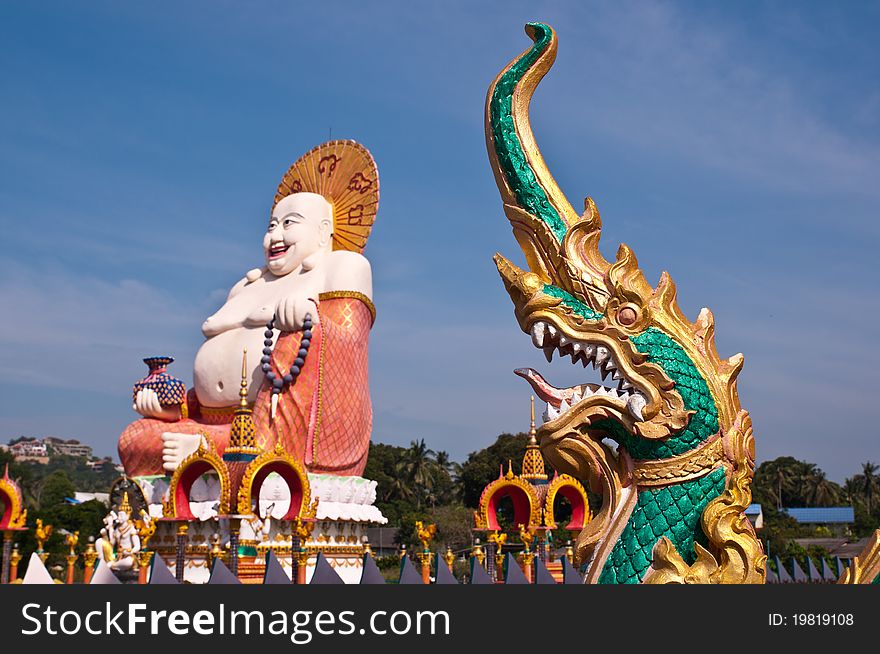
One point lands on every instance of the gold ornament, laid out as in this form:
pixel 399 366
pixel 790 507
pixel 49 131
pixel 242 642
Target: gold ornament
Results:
pixel 41 534
pixel 526 535
pixel 126 505
pixel 449 557
pixel 71 540
pixel 344 173
pixel 865 568
pixel 533 462
pixel 478 552
pixel 146 527
pixel 243 431
pixel 15 557
pixel 425 533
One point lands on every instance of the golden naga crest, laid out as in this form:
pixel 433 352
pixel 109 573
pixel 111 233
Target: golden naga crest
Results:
pixel 670 422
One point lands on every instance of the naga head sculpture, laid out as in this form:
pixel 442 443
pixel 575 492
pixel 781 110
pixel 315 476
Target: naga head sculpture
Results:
pixel 669 392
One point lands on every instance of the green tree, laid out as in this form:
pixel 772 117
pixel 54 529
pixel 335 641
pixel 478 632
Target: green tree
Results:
pixel 56 487
pixel 483 466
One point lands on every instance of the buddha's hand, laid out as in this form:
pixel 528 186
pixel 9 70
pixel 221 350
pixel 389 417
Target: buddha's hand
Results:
pixel 146 403
pixel 290 313
pixel 176 447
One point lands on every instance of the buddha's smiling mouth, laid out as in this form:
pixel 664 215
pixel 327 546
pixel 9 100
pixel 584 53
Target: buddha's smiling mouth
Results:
pixel 278 250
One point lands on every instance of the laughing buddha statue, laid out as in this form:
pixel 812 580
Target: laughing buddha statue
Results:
pixel 308 311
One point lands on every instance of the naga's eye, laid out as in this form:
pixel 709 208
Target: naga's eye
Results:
pixel 627 316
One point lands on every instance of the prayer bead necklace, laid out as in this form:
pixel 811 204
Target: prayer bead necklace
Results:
pixel 278 383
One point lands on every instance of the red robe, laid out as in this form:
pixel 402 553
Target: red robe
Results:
pixel 324 419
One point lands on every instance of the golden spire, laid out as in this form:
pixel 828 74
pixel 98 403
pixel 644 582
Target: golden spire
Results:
pixel 532 430
pixel 243 432
pixel 125 506
pixel 243 391
pixel 533 462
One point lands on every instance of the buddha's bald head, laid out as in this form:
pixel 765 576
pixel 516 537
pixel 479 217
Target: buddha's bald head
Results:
pixel 301 225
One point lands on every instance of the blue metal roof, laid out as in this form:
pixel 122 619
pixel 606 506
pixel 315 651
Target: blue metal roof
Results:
pixel 831 514
pixel 753 509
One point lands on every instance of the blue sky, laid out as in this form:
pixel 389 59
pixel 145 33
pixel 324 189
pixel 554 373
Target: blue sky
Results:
pixel 735 145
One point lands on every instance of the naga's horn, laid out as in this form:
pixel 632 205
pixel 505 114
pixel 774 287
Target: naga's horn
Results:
pixel 536 207
pixel 549 231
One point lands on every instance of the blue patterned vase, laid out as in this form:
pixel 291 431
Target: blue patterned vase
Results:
pixel 171 390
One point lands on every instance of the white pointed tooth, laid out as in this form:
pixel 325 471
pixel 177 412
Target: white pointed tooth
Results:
pixel 551 412
pixel 590 350
pixel 564 406
pixel 625 385
pixel 616 375
pixel 551 330
pixel 548 352
pixel 635 404
pixel 563 340
pixel 601 355
pixel 538 332
pixel 545 417
pixel 587 391
pixel 577 346
pixel 576 396
pixel 612 392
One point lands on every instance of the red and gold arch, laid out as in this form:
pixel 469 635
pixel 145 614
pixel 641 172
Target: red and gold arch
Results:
pixel 573 491
pixel 526 503
pixel 289 469
pixel 14 515
pixel 205 459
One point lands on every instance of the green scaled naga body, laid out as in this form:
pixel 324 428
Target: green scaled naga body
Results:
pixel 665 443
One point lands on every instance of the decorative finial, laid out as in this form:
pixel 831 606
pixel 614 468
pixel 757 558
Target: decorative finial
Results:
pixel 243 391
pixel 532 430
pixel 125 506
pixel 533 462
pixel 243 432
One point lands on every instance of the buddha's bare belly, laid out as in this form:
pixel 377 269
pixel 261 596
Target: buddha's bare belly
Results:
pixel 217 367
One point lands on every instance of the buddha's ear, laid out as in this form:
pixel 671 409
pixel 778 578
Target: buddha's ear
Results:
pixel 325 230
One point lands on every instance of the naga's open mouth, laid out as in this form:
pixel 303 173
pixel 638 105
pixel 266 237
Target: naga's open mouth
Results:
pixel 623 395
pixel 278 250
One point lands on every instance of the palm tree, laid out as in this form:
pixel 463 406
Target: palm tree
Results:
pixel 415 472
pixel 824 492
pixel 869 482
pixel 442 459
pixel 782 481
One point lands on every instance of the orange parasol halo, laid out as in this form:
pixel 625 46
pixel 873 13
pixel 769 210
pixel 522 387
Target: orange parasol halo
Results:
pixel 346 175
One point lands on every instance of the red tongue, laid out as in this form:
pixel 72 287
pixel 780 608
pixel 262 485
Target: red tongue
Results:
pixel 543 389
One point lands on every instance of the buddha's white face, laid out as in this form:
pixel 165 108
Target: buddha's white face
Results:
pixel 301 225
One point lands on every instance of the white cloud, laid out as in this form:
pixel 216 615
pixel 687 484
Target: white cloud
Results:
pixel 61 329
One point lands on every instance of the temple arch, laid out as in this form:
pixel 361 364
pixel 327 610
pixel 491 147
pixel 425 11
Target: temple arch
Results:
pixel 14 515
pixel 573 491
pixel 526 504
pixel 276 461
pixel 203 460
